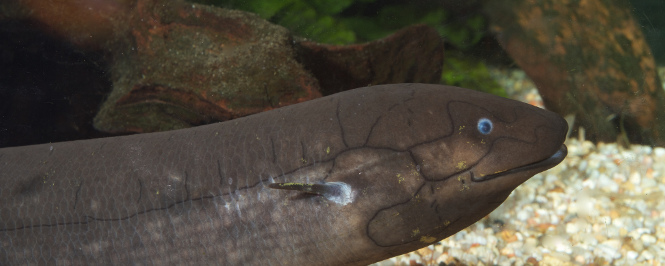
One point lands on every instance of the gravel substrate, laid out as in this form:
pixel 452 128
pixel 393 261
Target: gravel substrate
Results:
pixel 601 206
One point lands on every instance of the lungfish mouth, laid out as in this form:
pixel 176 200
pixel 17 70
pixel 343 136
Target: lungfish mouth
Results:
pixel 542 165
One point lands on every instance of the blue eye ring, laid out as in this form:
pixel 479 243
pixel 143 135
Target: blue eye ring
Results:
pixel 485 126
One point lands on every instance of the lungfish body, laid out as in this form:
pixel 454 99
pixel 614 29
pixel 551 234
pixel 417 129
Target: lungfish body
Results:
pixel 347 179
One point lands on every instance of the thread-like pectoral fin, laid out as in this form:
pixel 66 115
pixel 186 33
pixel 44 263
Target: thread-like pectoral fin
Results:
pixel 338 192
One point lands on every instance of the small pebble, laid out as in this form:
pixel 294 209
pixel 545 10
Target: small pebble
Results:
pixel 631 255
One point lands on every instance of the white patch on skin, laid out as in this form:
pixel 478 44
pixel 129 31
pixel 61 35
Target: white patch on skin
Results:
pixel 95 247
pixel 175 177
pixel 94 205
pixel 346 195
pixel 238 210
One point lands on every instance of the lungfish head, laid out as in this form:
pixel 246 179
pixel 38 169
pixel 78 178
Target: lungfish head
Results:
pixel 432 161
pixel 486 147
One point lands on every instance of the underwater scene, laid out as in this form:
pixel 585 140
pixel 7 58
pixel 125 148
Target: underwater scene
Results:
pixel 332 132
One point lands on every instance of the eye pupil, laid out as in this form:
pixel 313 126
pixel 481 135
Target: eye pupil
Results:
pixel 485 126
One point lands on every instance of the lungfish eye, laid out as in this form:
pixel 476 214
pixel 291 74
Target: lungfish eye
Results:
pixel 484 126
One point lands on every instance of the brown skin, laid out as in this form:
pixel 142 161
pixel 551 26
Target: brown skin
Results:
pixel 418 168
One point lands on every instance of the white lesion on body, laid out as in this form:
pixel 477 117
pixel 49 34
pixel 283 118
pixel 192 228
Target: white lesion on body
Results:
pixel 347 194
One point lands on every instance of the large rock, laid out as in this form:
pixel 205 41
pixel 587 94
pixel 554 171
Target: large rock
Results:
pixel 413 54
pixel 175 64
pixel 188 64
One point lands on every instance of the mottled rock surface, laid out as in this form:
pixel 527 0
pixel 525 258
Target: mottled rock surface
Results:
pixel 413 55
pixel 186 65
pixel 588 58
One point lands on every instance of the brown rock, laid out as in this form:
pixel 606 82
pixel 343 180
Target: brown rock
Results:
pixel 588 58
pixel 176 64
pixel 413 54
pixel 186 64
pixel 87 24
